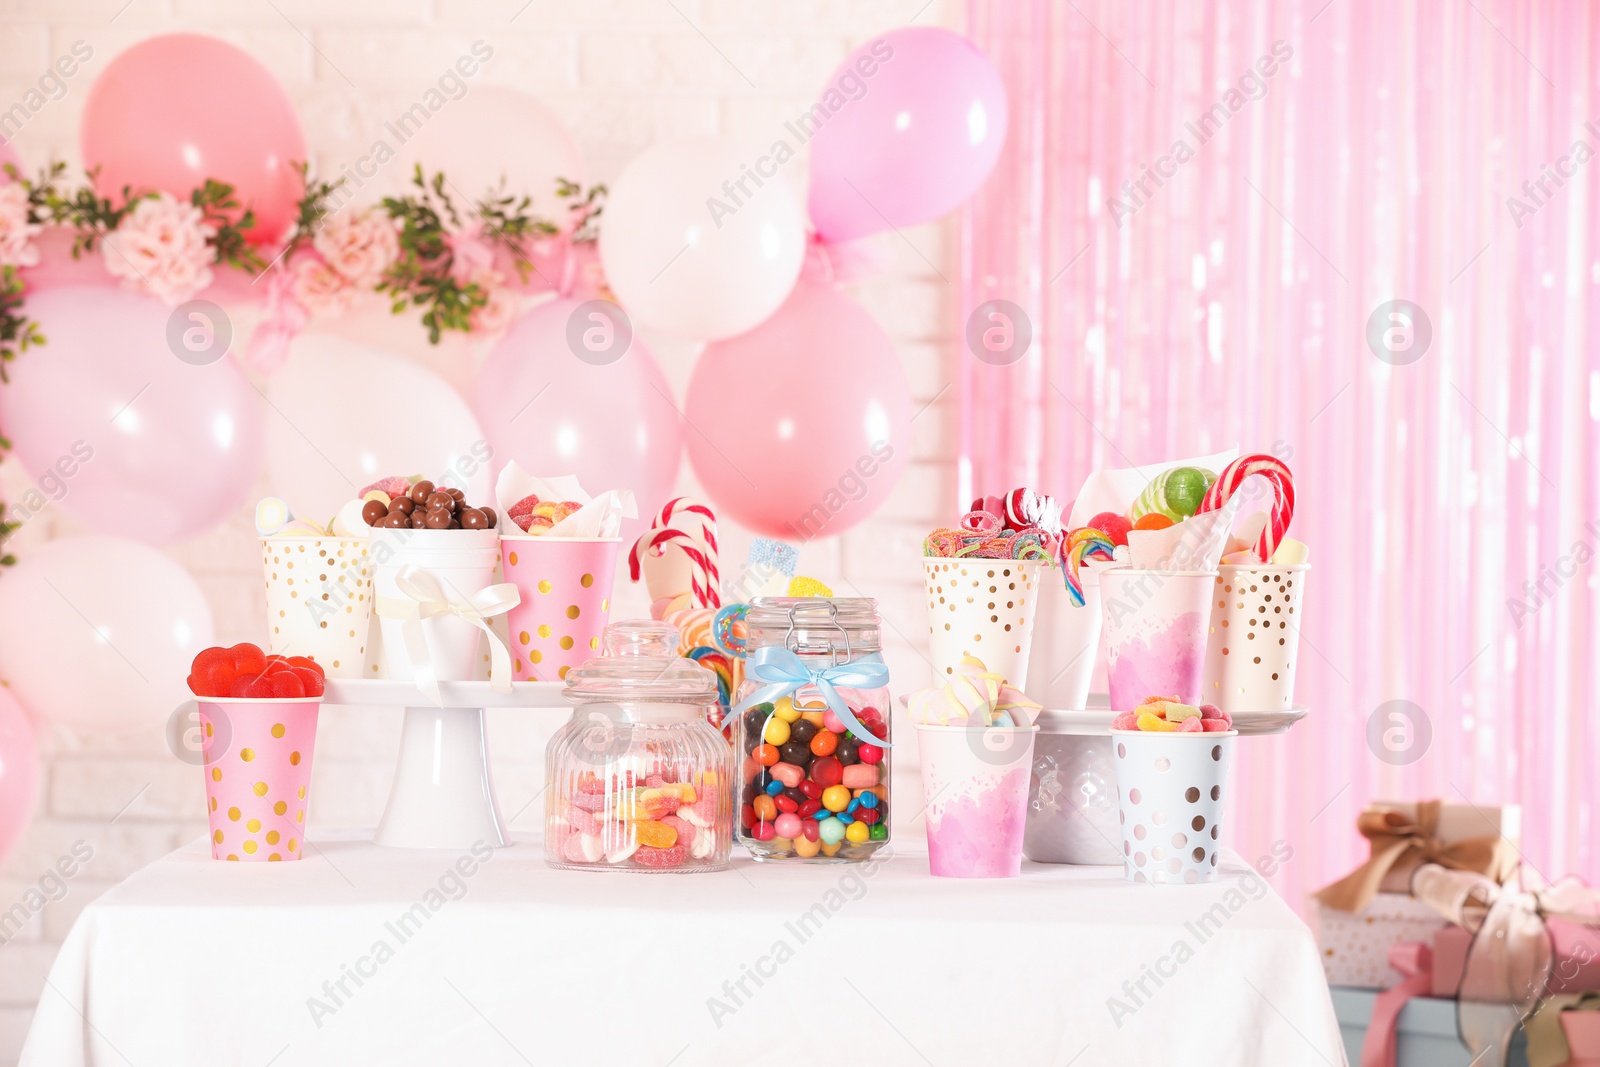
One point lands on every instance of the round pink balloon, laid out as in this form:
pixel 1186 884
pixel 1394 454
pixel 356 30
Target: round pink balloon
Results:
pixel 19 772
pixel 97 633
pixel 803 425
pixel 119 418
pixel 569 390
pixel 174 110
pixel 916 120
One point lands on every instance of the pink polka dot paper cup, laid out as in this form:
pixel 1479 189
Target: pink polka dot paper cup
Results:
pixel 1155 633
pixel 1170 801
pixel 258 775
pixel 565 584
pixel 975 788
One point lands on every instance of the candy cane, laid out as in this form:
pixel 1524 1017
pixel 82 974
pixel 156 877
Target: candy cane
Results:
pixel 1277 474
pixel 706 583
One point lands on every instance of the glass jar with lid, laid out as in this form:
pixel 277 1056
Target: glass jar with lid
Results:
pixel 812 730
pixel 638 779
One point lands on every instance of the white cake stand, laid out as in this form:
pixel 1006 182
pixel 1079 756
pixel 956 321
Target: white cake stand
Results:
pixel 443 795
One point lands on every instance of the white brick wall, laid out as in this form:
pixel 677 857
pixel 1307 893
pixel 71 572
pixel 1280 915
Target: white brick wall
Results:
pixel 622 73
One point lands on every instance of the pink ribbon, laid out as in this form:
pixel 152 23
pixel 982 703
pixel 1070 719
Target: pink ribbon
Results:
pixel 1414 960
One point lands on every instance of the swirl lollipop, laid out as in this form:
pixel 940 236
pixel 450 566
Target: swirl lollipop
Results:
pixel 1079 545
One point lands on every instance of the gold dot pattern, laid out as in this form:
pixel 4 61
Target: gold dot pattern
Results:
pixel 968 617
pixel 251 819
pixel 1251 660
pixel 337 573
pixel 558 622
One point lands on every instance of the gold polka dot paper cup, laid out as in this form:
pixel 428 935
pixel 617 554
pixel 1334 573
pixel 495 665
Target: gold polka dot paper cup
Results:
pixel 1170 799
pixel 258 775
pixel 319 600
pixel 1254 640
pixel 565 584
pixel 983 608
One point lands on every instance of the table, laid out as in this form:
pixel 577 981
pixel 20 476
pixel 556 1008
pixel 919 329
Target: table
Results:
pixel 367 955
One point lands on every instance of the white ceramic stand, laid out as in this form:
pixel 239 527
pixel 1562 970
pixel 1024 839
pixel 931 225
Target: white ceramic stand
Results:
pixel 443 795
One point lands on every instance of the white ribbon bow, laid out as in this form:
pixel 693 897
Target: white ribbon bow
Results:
pixel 425 599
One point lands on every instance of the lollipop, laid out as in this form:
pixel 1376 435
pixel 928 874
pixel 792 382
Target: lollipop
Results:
pixel 1079 545
pixel 1275 472
pixel 1177 494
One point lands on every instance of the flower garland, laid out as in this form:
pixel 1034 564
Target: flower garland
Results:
pixel 420 250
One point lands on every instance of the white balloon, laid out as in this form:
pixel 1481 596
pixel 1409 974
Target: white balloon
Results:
pixel 344 414
pixel 492 138
pixel 98 633
pixel 697 242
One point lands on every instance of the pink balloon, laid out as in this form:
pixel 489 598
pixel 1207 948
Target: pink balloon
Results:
pixel 127 435
pixel 174 110
pixel 606 415
pixel 917 118
pixel 801 427
pixel 19 772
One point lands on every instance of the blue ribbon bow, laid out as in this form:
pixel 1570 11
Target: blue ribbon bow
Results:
pixel 784 672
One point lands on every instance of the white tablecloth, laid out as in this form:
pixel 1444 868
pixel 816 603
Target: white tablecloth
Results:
pixel 359 955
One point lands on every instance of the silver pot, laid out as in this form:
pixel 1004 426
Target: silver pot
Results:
pixel 1072 796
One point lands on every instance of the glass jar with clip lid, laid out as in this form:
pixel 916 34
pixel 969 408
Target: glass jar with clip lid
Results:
pixel 812 735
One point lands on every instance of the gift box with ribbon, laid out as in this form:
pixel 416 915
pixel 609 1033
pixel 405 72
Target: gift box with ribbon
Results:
pixel 1361 915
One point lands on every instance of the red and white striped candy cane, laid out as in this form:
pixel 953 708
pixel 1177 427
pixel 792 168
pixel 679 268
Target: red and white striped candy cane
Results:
pixel 706 582
pixel 1277 474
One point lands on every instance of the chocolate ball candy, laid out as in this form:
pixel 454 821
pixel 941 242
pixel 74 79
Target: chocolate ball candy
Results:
pixel 488 514
pixel 473 519
pixel 394 521
pixel 372 511
pixel 441 499
pixel 802 731
pixel 796 753
pixel 437 519
pixel 846 752
pixel 402 504
pixel 421 492
pixel 417 520
pixel 461 498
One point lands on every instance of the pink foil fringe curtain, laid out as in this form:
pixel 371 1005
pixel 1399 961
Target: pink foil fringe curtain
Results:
pixel 1424 152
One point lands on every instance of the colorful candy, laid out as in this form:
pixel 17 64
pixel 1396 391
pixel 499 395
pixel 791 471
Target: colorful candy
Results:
pixel 1167 715
pixel 801 796
pixel 1020 525
pixel 1079 546
pixel 245 671
pixel 1282 481
pixel 1176 494
pixel 1112 525
pixel 659 819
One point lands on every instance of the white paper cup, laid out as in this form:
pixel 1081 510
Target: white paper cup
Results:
pixel 463 563
pixel 1155 633
pixel 975 789
pixel 1256 614
pixel 1170 801
pixel 983 608
pixel 1066 640
pixel 1072 801
pixel 319 600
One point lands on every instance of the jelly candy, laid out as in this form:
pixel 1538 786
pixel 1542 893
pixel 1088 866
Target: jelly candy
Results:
pixel 1147 721
pixel 649 856
pixel 859 776
pixel 1191 725
pixel 655 834
pixel 826 771
pixel 582 821
pixel 766 808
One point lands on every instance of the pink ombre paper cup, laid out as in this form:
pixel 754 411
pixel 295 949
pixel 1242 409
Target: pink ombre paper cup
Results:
pixel 565 584
pixel 258 775
pixel 975 788
pixel 1155 633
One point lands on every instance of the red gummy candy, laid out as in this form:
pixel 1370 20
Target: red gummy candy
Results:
pixel 212 673
pixel 582 821
pixel 1191 725
pixel 826 771
pixel 390 487
pixel 254 687
pixel 286 684
pixel 310 680
pixel 647 856
pixel 247 658
pixel 308 663
pixel 686 830
pixel 1214 726
pixel 1114 526
pixel 521 512
pixel 589 801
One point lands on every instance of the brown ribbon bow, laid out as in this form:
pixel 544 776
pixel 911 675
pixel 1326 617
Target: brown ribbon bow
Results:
pixel 1401 844
pixel 1510 962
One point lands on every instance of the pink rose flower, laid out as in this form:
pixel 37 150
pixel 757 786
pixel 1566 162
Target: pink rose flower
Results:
pixel 503 305
pixel 16 247
pixel 317 287
pixel 161 247
pixel 471 256
pixel 359 245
